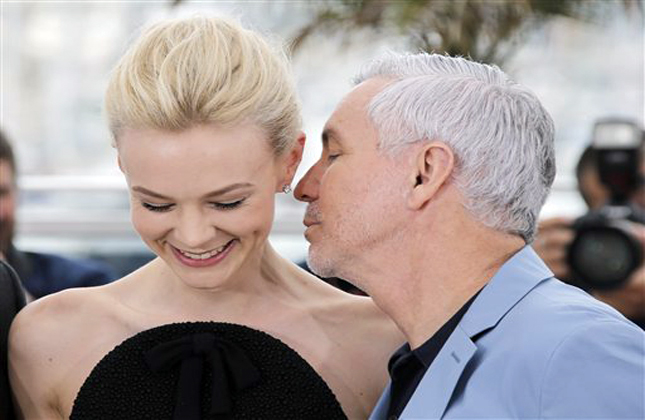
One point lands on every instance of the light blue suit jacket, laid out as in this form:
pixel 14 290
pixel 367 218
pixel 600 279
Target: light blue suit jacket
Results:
pixel 532 347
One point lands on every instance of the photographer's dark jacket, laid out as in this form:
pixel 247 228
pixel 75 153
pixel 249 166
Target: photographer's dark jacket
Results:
pixel 12 299
pixel 43 274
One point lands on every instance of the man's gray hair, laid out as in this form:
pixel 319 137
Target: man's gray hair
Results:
pixel 500 133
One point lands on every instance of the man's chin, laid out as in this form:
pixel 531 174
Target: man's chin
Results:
pixel 320 265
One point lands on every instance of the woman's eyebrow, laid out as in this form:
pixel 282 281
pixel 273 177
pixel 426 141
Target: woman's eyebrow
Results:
pixel 146 191
pixel 232 187
pixel 217 192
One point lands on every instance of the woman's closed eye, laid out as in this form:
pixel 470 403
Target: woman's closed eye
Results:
pixel 157 207
pixel 160 208
pixel 228 205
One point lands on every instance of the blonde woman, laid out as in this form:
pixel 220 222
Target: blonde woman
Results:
pixel 207 129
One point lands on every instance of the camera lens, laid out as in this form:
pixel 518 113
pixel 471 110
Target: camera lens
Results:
pixel 603 256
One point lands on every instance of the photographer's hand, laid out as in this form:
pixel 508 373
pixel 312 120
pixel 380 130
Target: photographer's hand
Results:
pixel 552 243
pixel 629 299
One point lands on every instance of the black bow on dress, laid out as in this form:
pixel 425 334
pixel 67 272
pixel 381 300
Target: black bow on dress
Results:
pixel 229 364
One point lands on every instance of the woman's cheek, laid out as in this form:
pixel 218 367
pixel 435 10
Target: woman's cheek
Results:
pixel 147 225
pixel 256 219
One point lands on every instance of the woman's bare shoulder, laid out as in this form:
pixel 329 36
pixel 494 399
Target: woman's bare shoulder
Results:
pixel 55 317
pixel 74 309
pixel 356 316
pixel 47 341
pixel 338 306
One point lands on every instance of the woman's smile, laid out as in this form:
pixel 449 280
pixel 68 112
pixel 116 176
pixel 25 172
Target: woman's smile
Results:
pixel 205 259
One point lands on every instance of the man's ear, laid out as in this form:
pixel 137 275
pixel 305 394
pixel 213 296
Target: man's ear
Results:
pixel 434 163
pixel 292 160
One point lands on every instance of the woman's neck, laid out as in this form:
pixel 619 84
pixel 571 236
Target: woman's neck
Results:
pixel 261 279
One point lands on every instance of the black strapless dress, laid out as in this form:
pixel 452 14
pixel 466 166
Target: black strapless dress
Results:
pixel 204 370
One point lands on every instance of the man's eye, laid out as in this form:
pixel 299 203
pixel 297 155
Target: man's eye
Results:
pixel 332 157
pixel 228 206
pixel 157 207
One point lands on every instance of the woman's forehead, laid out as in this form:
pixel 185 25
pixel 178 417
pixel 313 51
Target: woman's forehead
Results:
pixel 212 140
pixel 239 151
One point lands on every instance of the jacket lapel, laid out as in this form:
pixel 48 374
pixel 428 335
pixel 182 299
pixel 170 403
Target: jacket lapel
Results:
pixel 431 397
pixel 511 283
pixel 380 410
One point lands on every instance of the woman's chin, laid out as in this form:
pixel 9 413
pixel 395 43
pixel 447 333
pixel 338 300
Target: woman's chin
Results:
pixel 211 273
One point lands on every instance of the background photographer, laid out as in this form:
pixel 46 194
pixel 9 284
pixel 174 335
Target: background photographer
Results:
pixel 41 273
pixel 556 235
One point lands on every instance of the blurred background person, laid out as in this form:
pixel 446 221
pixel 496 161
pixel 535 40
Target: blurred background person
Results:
pixel 557 234
pixel 40 273
pixel 12 299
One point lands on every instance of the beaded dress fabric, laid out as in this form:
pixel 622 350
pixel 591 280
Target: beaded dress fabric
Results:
pixel 203 371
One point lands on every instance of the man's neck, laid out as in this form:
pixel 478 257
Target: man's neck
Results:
pixel 433 279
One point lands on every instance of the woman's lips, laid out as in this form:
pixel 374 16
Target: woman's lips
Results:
pixel 206 259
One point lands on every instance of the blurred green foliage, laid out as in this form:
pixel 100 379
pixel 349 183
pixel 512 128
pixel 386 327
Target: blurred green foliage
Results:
pixel 485 30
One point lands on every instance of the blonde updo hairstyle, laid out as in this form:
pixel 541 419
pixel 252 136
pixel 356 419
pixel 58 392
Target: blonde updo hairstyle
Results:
pixel 200 70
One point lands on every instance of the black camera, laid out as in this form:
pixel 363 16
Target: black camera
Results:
pixel 604 252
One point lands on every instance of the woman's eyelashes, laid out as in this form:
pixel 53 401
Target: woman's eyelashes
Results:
pixel 160 208
pixel 228 206
pixel 156 207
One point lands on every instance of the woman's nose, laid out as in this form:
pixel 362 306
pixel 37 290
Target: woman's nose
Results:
pixel 194 231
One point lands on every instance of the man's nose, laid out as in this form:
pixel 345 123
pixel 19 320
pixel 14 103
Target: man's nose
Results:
pixel 307 188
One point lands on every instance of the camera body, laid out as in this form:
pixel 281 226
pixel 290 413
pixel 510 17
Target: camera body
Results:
pixel 604 252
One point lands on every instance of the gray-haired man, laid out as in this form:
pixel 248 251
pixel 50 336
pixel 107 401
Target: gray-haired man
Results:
pixel 427 193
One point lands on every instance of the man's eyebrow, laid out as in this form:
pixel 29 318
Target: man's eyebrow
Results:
pixel 328 135
pixel 214 193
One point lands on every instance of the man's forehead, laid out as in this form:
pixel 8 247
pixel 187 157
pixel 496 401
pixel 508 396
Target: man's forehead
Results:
pixel 352 109
pixel 358 99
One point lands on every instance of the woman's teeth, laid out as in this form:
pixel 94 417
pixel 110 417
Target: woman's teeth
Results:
pixel 204 255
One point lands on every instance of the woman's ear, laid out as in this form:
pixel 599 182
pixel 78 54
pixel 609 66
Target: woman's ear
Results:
pixel 292 159
pixel 434 163
pixel 118 161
